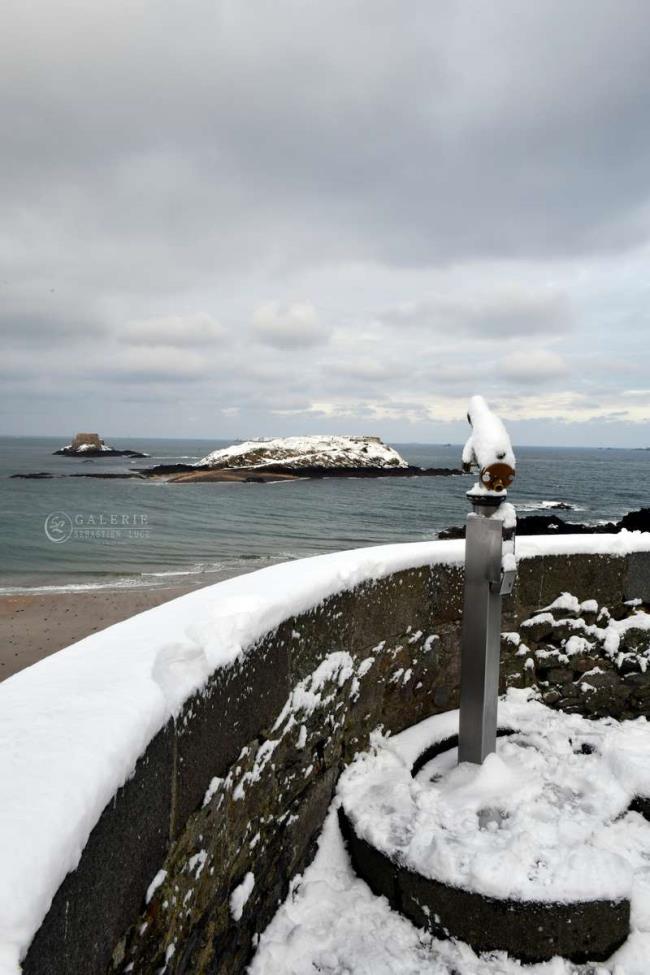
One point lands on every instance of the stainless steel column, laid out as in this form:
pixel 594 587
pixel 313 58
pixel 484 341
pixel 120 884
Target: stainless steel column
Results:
pixel 481 637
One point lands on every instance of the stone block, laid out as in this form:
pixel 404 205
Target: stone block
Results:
pixel 531 931
pixel 96 902
pixel 237 705
pixel 540 580
pixel 637 577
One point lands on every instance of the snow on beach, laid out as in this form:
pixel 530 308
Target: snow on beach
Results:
pixel 332 922
pixel 73 726
pixel 313 451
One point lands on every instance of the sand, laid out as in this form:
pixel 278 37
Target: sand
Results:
pixel 32 626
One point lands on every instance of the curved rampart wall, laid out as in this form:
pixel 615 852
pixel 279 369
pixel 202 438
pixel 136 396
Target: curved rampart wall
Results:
pixel 188 862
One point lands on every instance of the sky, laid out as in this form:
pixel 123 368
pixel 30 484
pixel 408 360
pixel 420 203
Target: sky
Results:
pixel 262 217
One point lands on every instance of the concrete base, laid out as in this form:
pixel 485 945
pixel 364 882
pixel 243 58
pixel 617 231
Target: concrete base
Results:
pixel 531 931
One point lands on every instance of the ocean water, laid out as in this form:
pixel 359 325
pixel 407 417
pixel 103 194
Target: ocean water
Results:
pixel 88 533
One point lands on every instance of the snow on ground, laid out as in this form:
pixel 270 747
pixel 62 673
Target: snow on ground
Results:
pixel 532 823
pixel 315 451
pixel 332 923
pixel 73 726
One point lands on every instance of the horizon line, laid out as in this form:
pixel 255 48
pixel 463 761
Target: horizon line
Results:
pixel 418 443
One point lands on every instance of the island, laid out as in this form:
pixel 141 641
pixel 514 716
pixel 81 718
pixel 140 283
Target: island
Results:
pixel 292 458
pixel 262 461
pixel 91 445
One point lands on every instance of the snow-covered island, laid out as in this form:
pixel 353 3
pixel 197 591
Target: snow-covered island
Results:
pixel 91 445
pixel 301 452
pixel 288 458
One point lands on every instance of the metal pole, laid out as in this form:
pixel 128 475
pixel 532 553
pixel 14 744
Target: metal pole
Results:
pixel 487 577
pixel 481 638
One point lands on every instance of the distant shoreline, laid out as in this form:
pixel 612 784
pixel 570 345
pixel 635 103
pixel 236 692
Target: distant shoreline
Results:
pixel 193 474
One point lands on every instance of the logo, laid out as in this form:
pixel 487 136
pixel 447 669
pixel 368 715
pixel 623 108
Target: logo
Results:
pixel 58 526
pixel 102 527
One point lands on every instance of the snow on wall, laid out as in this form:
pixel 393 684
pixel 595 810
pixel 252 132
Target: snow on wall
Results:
pixel 73 726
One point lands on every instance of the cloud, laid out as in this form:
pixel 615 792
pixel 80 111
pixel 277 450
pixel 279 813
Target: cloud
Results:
pixel 496 228
pixel 172 330
pixel 533 366
pixel 148 364
pixel 294 326
pixel 496 312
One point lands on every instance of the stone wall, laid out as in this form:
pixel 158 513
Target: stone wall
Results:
pixel 240 783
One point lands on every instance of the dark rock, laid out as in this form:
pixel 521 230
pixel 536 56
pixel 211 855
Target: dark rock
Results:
pixel 635 638
pixel 636 521
pixel 581 665
pixel 537 628
pixel 111 452
pixel 553 525
pixel 34 477
pixel 91 445
pixel 630 664
pixel 560 675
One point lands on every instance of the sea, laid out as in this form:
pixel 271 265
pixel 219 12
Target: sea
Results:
pixel 69 534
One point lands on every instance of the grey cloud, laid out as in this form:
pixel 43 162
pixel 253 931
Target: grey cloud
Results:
pixel 153 364
pixel 498 313
pixel 533 365
pixel 172 330
pixel 295 326
pixel 205 156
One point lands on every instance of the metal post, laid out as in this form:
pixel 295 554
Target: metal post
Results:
pixel 487 577
pixel 481 640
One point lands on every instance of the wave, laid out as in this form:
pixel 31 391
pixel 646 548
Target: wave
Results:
pixel 127 583
pixel 159 579
pixel 548 506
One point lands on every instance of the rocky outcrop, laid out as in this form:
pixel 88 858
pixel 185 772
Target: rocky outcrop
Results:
pixel 91 445
pixel 583 658
pixel 300 453
pixel 279 472
pixel 552 525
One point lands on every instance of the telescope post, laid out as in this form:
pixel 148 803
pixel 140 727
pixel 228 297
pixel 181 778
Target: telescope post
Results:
pixel 488 576
pixel 481 635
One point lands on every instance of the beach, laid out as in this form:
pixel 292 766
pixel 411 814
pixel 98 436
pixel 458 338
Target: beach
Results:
pixel 34 625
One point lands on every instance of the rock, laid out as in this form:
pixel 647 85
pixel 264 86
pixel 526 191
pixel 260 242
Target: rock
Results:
pixel 91 445
pixel 537 627
pixel 553 525
pixel 636 638
pixel 582 665
pixel 559 675
pixel 630 664
pixel 34 477
pixel 636 521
